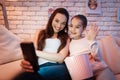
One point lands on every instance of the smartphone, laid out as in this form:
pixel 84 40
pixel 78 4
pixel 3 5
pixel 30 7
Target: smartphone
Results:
pixel 29 54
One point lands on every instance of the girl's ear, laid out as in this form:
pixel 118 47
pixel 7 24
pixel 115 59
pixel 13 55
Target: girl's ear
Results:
pixel 85 32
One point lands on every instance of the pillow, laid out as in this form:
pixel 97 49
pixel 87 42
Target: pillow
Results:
pixel 111 53
pixel 9 46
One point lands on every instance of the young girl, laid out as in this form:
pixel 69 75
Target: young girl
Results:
pixel 87 45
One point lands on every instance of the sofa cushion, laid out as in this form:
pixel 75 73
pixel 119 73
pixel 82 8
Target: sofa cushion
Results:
pixel 111 53
pixel 9 46
pixel 10 70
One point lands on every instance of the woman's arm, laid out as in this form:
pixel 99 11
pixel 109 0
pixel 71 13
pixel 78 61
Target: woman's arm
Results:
pixel 36 38
pixel 57 57
pixel 26 66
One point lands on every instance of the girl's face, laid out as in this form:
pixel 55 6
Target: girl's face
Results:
pixel 59 22
pixel 76 28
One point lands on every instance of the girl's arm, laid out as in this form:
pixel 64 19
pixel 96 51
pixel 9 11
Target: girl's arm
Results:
pixel 95 51
pixel 93 45
pixel 92 32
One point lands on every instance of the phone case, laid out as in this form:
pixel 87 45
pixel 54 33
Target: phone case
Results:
pixel 29 54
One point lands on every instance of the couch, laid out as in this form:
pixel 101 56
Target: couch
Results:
pixel 11 54
pixel 110 47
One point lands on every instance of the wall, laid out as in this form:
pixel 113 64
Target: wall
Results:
pixel 26 16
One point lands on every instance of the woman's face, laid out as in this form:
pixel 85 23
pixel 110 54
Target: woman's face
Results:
pixel 75 28
pixel 59 22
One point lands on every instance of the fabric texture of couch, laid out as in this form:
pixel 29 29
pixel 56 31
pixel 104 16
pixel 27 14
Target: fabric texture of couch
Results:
pixel 9 46
pixel 110 47
pixel 10 54
pixel 11 57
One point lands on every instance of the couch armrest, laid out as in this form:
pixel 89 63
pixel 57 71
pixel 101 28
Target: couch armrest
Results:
pixel 111 53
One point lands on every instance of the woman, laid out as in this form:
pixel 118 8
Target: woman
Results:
pixel 52 48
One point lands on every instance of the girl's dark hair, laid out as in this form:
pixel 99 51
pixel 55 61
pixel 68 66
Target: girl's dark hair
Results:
pixel 83 19
pixel 48 32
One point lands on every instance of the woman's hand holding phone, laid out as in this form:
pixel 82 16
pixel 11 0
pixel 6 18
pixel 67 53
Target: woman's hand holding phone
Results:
pixel 26 66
